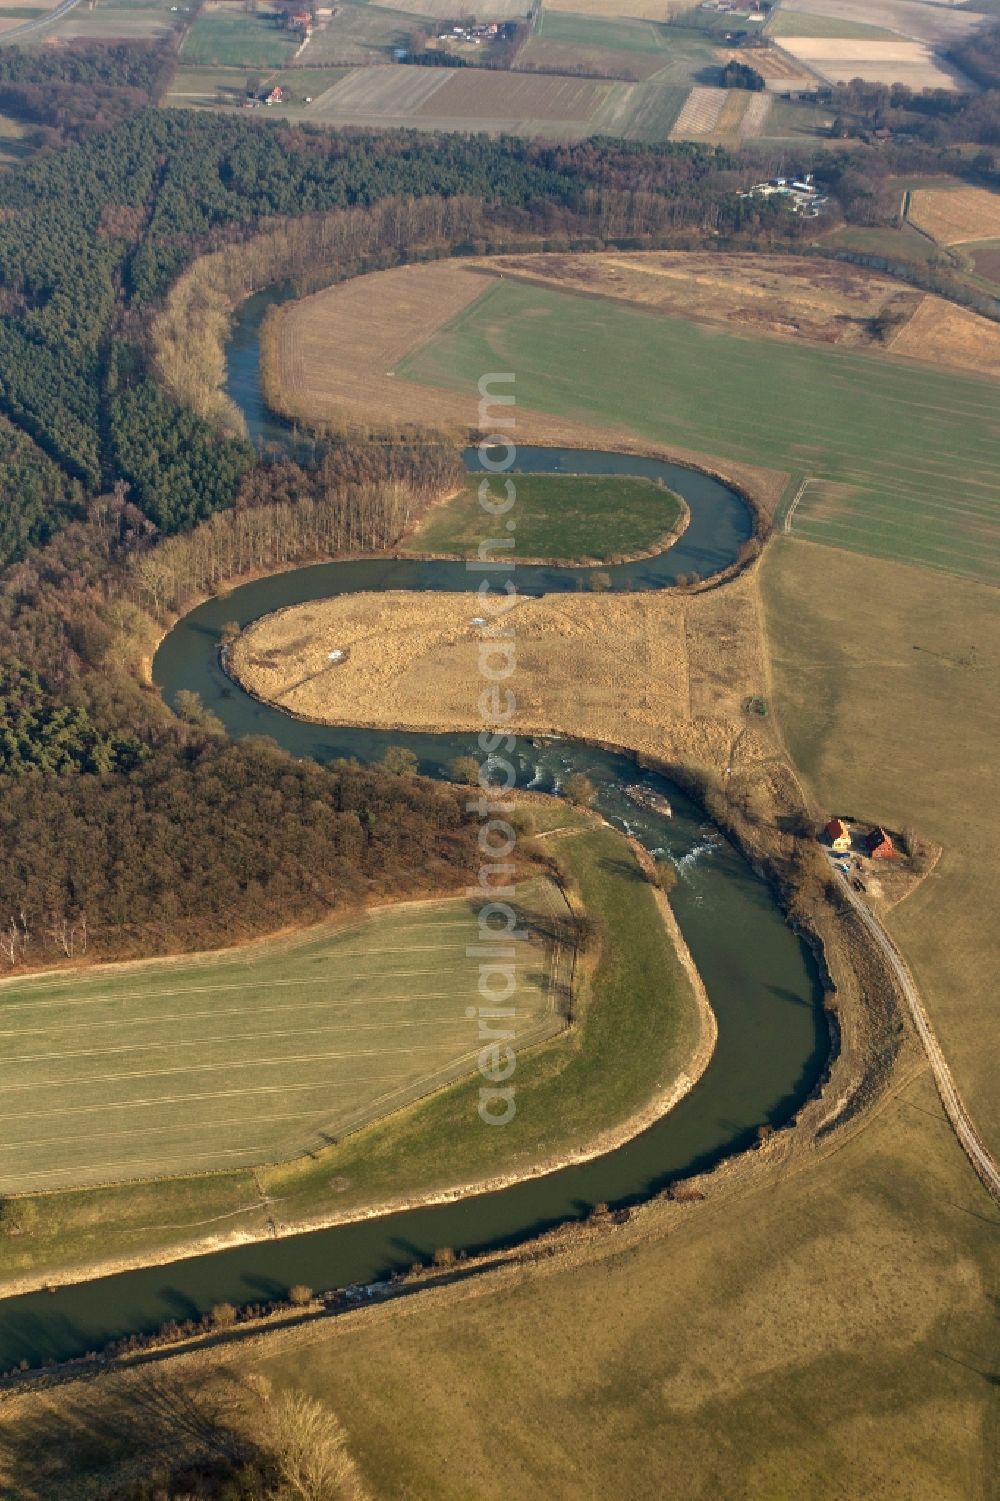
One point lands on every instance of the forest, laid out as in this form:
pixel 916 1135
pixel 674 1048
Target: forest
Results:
pixel 72 94
pixel 211 843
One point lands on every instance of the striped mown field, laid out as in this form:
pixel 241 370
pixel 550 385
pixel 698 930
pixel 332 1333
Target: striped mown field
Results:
pixel 256 1054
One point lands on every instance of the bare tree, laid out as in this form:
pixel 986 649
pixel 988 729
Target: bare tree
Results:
pixel 308 1447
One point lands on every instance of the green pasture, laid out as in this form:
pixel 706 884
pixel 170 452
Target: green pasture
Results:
pixel 903 460
pixel 595 31
pixel 558 516
pixel 799 23
pixel 238 41
pixel 196 1064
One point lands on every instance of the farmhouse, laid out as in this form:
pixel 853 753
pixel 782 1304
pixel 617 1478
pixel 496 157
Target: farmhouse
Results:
pixel 838 834
pixel 879 846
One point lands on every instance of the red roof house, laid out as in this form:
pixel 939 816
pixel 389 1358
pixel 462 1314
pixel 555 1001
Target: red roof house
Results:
pixel 879 846
pixel 838 834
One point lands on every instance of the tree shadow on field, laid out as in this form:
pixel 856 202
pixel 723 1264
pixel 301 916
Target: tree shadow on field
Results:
pixel 625 870
pixel 86 1439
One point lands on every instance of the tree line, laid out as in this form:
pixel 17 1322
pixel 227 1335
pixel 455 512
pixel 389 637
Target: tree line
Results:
pixel 207 843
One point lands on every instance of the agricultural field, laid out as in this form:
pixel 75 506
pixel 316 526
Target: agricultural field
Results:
pixel 936 25
pixel 898 61
pixel 902 244
pixel 622 10
pixel 15 15
pixel 638 1027
pixel 986 259
pixel 200 88
pixel 358 33
pixel 474 99
pixel 822 1337
pixel 722 116
pixel 777 69
pixel 117 20
pixel 248 1056
pixel 444 10
pixel 953 216
pixel 560 516
pixel 678 55
pixel 226 35
pixel 816 1334
pixel 941 333
pixel 318 377
pixel 785 22
pixel 900 461
pixel 795 296
pixel 845 632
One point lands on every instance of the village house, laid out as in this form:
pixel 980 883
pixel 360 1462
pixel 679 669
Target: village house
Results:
pixel 838 834
pixel 879 846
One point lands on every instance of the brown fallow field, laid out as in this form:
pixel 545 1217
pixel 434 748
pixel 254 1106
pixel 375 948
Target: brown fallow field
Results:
pixel 953 216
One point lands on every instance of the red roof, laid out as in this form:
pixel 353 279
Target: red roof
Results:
pixel 836 828
pixel 879 843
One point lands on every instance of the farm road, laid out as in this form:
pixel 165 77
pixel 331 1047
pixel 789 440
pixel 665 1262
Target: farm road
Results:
pixel 962 1123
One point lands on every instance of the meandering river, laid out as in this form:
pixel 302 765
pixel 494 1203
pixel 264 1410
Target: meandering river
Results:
pixel 773 1042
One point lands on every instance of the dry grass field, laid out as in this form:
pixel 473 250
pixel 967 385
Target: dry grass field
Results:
pixel 847 633
pixel 987 262
pixel 784 295
pixel 945 334
pixel 825 1337
pixel 249 1056
pixel 700 115
pixel 838 59
pixel 954 215
pixel 665 673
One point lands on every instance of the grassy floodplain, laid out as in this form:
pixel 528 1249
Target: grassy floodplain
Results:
pixel 247 1056
pixel 903 462
pixel 560 516
pixel 637 1025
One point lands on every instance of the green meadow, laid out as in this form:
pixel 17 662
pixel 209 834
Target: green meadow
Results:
pixel 560 516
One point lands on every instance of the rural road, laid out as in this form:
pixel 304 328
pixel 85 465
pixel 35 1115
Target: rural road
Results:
pixel 29 27
pixel 964 1128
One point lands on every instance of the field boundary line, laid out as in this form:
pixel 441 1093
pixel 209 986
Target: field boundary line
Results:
pixel 786 525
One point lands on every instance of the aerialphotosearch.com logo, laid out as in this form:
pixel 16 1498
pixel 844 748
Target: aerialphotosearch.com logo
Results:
pixel 499 933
